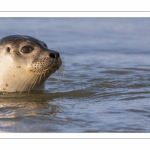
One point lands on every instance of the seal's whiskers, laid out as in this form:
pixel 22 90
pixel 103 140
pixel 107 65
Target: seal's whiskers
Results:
pixel 37 34
pixel 40 77
pixel 44 74
pixel 33 83
pixel 26 81
pixel 61 72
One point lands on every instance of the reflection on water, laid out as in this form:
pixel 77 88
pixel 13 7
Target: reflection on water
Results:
pixel 105 84
pixel 24 108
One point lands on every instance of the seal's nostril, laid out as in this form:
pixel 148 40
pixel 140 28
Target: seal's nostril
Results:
pixel 52 55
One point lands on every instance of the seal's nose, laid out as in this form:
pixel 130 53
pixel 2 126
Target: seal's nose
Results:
pixel 54 55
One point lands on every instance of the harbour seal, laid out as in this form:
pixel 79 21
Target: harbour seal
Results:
pixel 25 63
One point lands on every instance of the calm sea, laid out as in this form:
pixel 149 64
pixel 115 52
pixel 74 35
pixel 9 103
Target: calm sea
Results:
pixel 105 85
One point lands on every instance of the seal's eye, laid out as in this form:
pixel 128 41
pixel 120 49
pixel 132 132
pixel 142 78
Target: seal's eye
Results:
pixel 26 49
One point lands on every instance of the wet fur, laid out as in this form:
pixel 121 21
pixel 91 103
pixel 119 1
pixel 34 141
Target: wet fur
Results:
pixel 31 76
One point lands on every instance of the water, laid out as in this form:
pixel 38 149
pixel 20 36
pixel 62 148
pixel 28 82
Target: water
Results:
pixel 106 81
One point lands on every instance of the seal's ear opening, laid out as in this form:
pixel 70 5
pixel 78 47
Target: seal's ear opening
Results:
pixel 8 49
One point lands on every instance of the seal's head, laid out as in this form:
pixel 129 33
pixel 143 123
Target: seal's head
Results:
pixel 25 63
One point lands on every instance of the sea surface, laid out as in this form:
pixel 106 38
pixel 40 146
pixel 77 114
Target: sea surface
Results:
pixel 103 86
